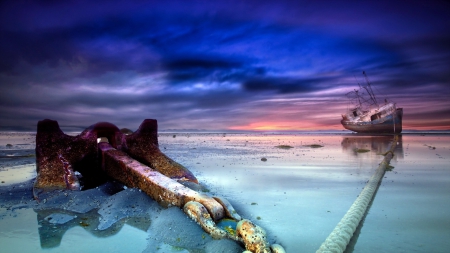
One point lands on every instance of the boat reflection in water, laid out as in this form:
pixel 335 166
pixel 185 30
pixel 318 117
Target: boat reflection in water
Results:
pixel 376 144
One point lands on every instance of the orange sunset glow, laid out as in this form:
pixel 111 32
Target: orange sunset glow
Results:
pixel 284 126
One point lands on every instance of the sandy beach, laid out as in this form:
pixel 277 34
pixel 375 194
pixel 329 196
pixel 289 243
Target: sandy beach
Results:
pixel 296 186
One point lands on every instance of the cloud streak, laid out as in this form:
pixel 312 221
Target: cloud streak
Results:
pixel 219 65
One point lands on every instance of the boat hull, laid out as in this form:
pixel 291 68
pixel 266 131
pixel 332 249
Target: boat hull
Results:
pixel 389 124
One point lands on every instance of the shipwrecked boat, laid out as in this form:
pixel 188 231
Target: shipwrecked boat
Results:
pixel 367 115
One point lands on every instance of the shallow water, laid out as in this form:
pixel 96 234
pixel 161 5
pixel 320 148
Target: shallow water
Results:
pixel 23 236
pixel 298 194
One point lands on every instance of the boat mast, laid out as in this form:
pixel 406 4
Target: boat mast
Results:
pixel 369 90
pixel 357 95
pixel 360 99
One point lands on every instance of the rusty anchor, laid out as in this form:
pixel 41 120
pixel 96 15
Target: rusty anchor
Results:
pixel 135 160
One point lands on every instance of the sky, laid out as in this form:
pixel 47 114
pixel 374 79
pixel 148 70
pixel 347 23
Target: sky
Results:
pixel 220 65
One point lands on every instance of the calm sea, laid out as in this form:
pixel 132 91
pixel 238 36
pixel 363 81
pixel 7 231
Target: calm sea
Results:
pixel 297 186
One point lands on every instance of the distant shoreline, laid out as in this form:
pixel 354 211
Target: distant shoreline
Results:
pixel 318 132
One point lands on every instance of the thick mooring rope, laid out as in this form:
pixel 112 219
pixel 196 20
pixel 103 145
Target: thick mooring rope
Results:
pixel 338 239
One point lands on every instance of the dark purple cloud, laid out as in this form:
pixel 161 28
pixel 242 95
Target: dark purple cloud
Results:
pixel 219 64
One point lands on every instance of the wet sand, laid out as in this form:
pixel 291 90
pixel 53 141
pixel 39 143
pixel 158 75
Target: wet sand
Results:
pixel 297 194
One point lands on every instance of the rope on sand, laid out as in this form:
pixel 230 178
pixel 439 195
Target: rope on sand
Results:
pixel 339 238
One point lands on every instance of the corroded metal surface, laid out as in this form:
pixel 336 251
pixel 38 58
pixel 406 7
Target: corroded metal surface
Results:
pixel 166 191
pixel 142 145
pixel 229 210
pixel 254 237
pixel 199 214
pixel 58 155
